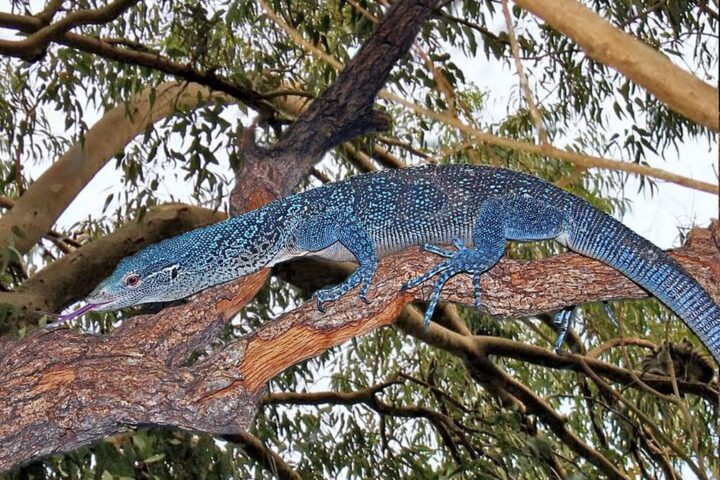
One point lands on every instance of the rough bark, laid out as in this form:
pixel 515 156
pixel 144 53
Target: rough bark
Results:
pixel 73 276
pixel 680 90
pixel 64 389
pixel 345 110
pixel 42 204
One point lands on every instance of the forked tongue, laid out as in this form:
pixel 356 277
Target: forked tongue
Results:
pixel 60 319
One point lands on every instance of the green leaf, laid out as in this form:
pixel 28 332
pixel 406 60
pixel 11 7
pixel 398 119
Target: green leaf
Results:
pixel 154 458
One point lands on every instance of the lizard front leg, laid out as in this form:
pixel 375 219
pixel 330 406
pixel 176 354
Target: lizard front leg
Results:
pixel 324 230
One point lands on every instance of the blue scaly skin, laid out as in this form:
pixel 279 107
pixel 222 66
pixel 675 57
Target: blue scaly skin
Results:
pixel 477 209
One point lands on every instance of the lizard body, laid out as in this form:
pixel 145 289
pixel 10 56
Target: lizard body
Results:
pixel 373 215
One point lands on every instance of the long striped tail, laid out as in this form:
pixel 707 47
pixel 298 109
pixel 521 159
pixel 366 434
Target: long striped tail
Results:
pixel 598 235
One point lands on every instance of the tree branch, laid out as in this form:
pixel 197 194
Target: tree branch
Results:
pixel 44 201
pixel 63 389
pixel 579 159
pixel 32 47
pixel 346 108
pixel 133 56
pixel 443 423
pixel 486 371
pixel 270 460
pixel 682 91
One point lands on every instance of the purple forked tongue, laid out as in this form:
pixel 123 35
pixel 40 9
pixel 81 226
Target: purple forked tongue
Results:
pixel 76 313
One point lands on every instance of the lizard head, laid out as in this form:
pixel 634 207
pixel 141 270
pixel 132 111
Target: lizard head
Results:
pixel 148 276
pixel 154 274
pixel 180 266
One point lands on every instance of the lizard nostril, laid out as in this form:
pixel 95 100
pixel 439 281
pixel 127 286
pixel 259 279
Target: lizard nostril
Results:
pixel 98 293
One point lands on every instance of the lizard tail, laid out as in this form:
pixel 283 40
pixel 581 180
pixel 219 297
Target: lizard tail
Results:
pixel 598 235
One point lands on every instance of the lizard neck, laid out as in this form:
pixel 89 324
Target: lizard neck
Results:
pixel 240 245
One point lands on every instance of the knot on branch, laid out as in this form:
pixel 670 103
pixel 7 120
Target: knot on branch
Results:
pixel 220 405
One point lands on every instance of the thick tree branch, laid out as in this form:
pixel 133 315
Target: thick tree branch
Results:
pixel 44 201
pixel 680 90
pixel 52 235
pixel 64 390
pixel 346 109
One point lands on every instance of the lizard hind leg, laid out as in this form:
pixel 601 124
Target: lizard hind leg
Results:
pixel 489 240
pixel 464 260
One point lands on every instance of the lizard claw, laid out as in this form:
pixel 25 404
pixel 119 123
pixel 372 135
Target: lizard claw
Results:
pixel 363 297
pixel 428 247
pixel 319 302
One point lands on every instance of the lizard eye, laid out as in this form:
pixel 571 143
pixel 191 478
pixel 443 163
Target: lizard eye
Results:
pixel 132 280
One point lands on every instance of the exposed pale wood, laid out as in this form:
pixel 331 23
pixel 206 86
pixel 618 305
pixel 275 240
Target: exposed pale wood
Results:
pixel 680 90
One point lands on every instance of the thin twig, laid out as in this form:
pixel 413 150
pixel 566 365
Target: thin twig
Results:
pixel 524 84
pixel 479 137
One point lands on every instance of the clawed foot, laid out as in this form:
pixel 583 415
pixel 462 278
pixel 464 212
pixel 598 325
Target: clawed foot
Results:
pixel 331 294
pixel 443 252
pixel 461 260
pixel 564 320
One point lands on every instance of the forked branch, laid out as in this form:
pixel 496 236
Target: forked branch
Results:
pixel 63 390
